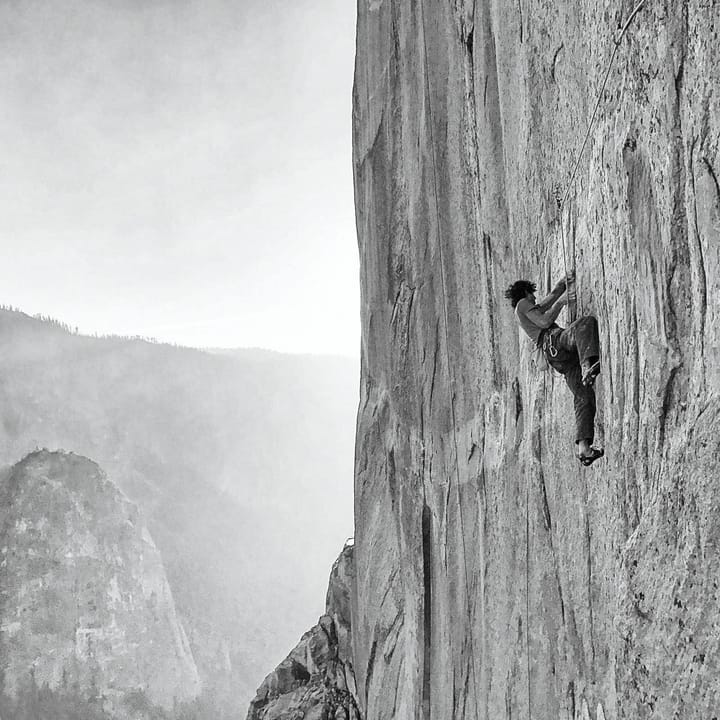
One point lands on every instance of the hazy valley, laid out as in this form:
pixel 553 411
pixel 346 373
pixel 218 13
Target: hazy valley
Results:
pixel 240 463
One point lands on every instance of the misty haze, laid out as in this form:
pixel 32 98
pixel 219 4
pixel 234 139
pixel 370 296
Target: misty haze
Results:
pixel 179 339
pixel 240 463
pixel 360 360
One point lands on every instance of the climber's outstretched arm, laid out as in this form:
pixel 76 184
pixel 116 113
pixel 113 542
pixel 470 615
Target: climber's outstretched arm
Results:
pixel 540 318
pixel 549 300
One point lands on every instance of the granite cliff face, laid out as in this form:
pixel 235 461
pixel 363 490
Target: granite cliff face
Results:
pixel 495 577
pixel 85 607
pixel 316 681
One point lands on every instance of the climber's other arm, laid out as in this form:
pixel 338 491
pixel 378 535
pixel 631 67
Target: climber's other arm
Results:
pixel 547 318
pixel 549 300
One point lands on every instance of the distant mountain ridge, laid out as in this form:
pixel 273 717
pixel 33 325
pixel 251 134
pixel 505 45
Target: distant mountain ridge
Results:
pixel 241 462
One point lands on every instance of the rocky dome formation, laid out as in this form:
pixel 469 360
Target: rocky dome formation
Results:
pixel 85 607
pixel 316 681
pixel 496 578
pixel 209 446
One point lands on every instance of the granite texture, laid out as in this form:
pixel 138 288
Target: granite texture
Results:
pixel 316 681
pixel 495 577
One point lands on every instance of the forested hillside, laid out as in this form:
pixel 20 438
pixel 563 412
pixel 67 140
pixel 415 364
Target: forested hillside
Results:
pixel 241 462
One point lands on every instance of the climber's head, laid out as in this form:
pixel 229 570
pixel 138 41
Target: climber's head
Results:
pixel 519 290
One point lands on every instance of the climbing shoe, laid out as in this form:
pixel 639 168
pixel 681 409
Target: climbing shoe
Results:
pixel 591 457
pixel 590 373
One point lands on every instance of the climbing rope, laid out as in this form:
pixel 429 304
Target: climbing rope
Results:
pixel 447 355
pixel 561 207
pixel 561 202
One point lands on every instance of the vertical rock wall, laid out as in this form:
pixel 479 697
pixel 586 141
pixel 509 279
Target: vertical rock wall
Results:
pixel 494 576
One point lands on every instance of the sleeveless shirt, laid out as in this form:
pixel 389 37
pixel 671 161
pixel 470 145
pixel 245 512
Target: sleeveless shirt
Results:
pixel 532 330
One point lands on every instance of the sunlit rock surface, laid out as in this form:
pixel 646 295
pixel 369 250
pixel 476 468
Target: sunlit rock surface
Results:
pixel 85 608
pixel 316 681
pixel 496 578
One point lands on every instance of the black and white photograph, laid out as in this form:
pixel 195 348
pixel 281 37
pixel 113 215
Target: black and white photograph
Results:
pixel 360 360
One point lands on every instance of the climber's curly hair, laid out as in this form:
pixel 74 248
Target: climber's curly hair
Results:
pixel 518 290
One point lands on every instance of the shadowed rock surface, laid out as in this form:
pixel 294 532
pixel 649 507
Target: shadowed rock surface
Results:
pixel 316 681
pixel 85 607
pixel 496 578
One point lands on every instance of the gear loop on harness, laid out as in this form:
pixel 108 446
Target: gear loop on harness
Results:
pixel 547 344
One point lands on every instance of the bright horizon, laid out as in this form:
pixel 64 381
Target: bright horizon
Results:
pixel 80 332
pixel 182 171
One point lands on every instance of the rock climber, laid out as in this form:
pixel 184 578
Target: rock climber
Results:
pixel 574 351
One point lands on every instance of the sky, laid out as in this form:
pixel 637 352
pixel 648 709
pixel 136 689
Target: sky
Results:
pixel 181 169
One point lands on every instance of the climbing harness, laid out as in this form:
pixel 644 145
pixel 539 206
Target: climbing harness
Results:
pixel 561 202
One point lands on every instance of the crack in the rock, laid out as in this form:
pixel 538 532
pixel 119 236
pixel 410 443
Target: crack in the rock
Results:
pixel 427 550
pixel 591 612
pixel 519 3
pixel 554 62
pixel 435 361
pixel 711 172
